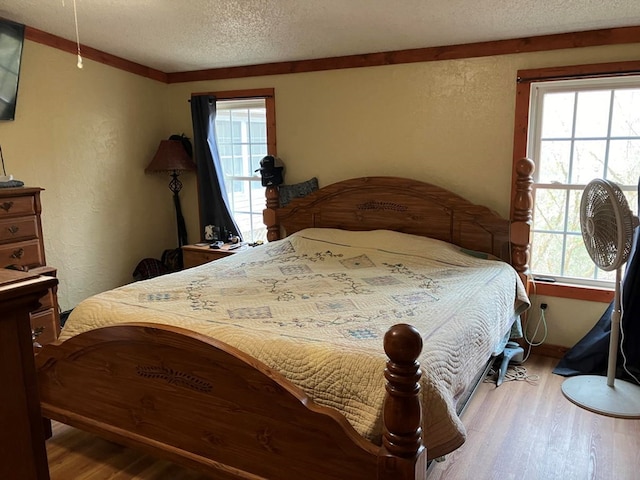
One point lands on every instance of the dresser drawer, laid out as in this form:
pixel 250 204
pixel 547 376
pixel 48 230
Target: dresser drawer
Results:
pixel 45 322
pixel 17 206
pixel 193 258
pixel 19 228
pixel 26 254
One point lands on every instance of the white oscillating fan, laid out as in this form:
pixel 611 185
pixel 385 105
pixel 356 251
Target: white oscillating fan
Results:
pixel 607 226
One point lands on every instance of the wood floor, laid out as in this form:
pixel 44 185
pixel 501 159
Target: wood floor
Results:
pixel 525 431
pixel 519 431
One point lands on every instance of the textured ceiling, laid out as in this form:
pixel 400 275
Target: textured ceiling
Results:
pixel 185 35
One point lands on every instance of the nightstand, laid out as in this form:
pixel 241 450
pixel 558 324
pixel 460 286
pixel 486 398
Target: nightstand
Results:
pixel 194 255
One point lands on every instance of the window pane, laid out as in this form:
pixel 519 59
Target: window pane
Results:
pixel 549 209
pixel 626 113
pixel 258 131
pixel 632 198
pixel 607 276
pixel 237 160
pixel 578 263
pixel 243 220
pixel 624 162
pixel 573 211
pixel 546 253
pixel 557 115
pixel 257 154
pixel 554 161
pixel 223 131
pixel 592 118
pixel 588 160
pixel 259 228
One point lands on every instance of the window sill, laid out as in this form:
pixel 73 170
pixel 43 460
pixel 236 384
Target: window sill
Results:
pixel 564 290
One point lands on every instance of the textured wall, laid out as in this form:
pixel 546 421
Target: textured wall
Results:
pixel 85 136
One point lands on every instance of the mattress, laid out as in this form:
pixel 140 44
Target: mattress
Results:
pixel 316 305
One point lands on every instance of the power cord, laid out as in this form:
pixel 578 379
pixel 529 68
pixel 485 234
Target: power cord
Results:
pixel 4 171
pixel 531 342
pixel 515 373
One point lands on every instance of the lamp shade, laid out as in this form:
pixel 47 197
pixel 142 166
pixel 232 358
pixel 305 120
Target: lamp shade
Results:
pixel 171 156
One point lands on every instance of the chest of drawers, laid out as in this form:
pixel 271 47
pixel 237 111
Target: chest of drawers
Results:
pixel 22 247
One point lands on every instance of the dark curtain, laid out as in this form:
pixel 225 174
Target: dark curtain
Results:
pixel 212 195
pixel 590 354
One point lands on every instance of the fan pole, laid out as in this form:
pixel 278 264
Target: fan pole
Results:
pixel 615 332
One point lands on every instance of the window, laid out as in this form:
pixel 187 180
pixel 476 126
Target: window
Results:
pixel 578 130
pixel 245 135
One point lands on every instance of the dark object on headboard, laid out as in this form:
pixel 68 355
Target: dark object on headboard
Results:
pixel 297 190
pixel 271 171
pixel 11 42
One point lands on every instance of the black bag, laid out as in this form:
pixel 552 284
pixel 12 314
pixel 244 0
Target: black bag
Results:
pixel 172 259
pixel 149 268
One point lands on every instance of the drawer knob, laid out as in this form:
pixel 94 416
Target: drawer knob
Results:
pixel 18 253
pixel 13 229
pixel 6 206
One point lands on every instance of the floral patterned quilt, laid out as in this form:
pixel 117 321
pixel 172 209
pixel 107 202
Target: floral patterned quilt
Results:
pixel 316 305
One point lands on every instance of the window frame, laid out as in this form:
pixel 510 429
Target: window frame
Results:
pixel 520 145
pixel 266 94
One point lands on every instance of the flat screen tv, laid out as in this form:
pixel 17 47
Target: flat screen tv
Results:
pixel 11 41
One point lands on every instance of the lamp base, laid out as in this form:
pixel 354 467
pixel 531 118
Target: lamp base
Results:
pixel 592 393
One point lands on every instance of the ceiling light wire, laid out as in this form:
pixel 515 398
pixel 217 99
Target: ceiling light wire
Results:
pixel 75 19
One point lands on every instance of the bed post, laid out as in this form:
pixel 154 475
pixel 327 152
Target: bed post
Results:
pixel 522 215
pixel 403 452
pixel 270 215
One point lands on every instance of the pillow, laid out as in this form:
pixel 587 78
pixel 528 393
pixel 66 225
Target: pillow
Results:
pixel 298 190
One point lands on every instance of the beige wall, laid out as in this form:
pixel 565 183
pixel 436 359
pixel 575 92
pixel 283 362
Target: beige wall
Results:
pixel 87 135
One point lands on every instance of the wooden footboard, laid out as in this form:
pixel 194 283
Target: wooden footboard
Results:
pixel 200 402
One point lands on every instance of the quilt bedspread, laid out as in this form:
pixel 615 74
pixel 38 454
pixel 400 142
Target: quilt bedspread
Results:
pixel 316 305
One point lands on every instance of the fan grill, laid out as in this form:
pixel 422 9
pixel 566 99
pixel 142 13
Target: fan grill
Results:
pixel 607 224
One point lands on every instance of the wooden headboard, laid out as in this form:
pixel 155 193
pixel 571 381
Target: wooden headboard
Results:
pixel 411 206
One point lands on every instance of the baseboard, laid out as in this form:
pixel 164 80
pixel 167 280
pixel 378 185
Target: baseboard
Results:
pixel 547 350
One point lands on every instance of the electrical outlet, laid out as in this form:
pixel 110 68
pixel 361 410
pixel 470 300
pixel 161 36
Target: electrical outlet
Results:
pixel 543 306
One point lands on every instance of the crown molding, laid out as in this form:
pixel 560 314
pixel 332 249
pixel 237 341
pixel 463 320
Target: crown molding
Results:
pixel 591 38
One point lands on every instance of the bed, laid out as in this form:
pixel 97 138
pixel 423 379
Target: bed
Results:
pixel 269 364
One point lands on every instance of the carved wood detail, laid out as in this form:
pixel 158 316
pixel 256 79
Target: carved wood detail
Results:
pixel 174 377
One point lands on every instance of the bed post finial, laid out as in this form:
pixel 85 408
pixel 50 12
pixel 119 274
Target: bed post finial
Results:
pixel 522 217
pixel 402 414
pixel 270 215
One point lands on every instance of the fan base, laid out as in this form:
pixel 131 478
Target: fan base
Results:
pixel 592 393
